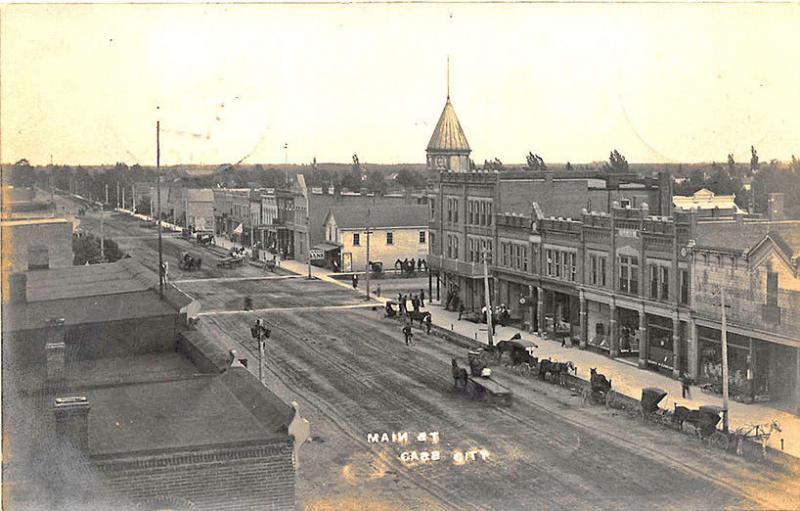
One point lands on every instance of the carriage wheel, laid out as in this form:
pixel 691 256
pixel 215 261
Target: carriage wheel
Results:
pixel 719 440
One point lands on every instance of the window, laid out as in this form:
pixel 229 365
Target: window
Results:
pixel 504 250
pixel 470 208
pixel 455 210
pixel 664 283
pixel 389 238
pixel 684 287
pixel 595 274
pixel 772 289
pixel 603 271
pixel 574 267
pixel 449 210
pixel 356 239
pixel 483 213
pixel 524 258
pixel 433 208
pixel 455 247
pixel 422 236
pixel 557 262
pixel 629 274
pixel 654 282
pixel 549 256
pixel 489 213
pixel 434 250
pixel 38 257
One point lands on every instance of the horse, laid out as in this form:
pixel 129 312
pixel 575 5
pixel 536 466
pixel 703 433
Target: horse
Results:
pixel 459 374
pixel 599 382
pixel 758 432
pixel 420 316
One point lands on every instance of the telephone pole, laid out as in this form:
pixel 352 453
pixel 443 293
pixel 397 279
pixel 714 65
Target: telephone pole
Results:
pixel 106 193
pixel 158 210
pixel 489 335
pixel 724 339
pixel 102 238
pixel 369 232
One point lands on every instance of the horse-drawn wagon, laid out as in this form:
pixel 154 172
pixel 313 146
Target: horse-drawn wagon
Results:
pixel 480 387
pixel 230 261
pixel 189 261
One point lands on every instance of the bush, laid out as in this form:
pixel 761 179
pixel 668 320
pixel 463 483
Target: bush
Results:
pixel 86 249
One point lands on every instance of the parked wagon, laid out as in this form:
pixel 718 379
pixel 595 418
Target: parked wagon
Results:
pixel 230 261
pixel 651 396
pixel 480 387
pixel 205 238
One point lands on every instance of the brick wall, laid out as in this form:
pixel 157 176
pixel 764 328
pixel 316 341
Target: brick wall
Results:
pixel 240 476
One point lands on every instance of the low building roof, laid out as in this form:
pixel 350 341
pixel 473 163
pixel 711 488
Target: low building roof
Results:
pixel 355 217
pixel 743 236
pixel 33 221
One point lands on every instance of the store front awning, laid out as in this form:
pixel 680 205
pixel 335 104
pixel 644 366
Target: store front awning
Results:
pixel 327 247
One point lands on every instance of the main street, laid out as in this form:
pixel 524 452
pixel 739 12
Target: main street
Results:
pixel 352 376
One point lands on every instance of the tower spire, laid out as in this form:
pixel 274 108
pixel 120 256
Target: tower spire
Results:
pixel 448 77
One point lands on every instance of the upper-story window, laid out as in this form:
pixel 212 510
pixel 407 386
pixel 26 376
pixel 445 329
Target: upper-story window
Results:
pixel 356 239
pixel 390 238
pixel 629 274
pixel 422 236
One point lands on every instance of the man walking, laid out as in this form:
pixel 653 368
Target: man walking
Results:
pixel 422 298
pixel 407 332
pixel 428 323
pixel 355 281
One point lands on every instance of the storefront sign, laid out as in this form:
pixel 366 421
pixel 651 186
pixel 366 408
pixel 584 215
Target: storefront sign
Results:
pixel 316 254
pixel 627 233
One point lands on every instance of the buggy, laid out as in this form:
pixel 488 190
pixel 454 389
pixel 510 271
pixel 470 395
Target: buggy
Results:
pixel 189 262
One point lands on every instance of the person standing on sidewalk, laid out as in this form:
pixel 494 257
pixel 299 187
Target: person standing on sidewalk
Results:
pixel 422 298
pixel 428 323
pixel 686 391
pixel 355 281
pixel 407 332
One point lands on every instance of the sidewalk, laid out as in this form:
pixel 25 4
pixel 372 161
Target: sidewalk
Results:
pixel 626 378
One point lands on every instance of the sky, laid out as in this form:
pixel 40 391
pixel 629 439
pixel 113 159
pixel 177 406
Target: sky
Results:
pixel 659 82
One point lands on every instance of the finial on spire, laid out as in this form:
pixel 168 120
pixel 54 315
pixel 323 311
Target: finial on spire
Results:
pixel 448 77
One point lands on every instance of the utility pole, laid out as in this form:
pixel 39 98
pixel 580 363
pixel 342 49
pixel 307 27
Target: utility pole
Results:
pixel 133 195
pixel 286 162
pixel 117 194
pixel 102 238
pixel 486 297
pixel 301 181
pixel 123 196
pixel 106 193
pixel 724 339
pixel 158 211
pixel 369 232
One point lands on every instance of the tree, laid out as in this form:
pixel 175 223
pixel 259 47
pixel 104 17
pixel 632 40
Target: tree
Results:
pixel 495 164
pixel 535 162
pixel 753 160
pixel 795 165
pixel 616 162
pixel 375 182
pixel 86 248
pixel 409 179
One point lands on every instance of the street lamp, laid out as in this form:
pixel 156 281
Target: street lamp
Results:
pixel 261 333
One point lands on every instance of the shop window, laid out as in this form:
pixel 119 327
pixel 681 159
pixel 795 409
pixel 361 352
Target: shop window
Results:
pixel 356 239
pixel 558 263
pixel 549 257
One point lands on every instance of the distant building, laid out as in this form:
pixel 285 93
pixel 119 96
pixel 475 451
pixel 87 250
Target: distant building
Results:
pixel 397 232
pixel 110 401
pixel 708 204
pixel 36 244
pixel 448 149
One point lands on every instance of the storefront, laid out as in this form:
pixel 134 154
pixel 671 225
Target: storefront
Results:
pixel 561 315
pixel 757 369
pixel 629 333
pixel 659 341
pixel 599 325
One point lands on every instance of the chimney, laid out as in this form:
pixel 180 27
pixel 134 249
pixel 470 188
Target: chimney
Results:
pixel 775 207
pixel 72 420
pixel 17 291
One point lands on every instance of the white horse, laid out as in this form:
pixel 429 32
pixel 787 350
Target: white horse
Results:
pixel 758 432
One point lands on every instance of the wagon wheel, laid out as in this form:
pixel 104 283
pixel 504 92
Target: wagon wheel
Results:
pixel 719 440
pixel 471 390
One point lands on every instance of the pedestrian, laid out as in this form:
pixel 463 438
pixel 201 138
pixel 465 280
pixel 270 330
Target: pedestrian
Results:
pixel 563 342
pixel 494 327
pixel 165 270
pixel 460 311
pixel 686 391
pixel 428 323
pixel 379 290
pixel 422 298
pixel 415 303
pixel 407 332
pixel 248 303
pixel 355 281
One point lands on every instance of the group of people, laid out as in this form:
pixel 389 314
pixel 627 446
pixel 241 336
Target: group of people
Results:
pixel 409 264
pixel 417 301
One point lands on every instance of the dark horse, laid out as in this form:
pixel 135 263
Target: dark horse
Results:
pixel 599 382
pixel 418 316
pixel 556 369
pixel 459 374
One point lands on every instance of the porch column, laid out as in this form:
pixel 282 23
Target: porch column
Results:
pixel 676 345
pixel 495 291
pixel 530 304
pixel 643 343
pixel 613 333
pixel 693 353
pixel 540 310
pixel 584 320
